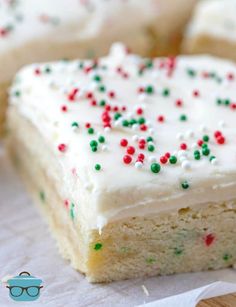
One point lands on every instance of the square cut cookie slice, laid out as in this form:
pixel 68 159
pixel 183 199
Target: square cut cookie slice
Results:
pixel 132 160
pixel 212 29
pixel 45 30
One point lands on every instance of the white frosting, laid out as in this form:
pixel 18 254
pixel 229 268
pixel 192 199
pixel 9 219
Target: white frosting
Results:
pixel 119 190
pixel 43 30
pixel 214 18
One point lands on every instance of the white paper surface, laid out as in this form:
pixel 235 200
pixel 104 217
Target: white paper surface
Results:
pixel 26 245
pixel 191 298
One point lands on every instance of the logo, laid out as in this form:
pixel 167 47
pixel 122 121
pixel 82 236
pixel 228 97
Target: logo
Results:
pixel 24 287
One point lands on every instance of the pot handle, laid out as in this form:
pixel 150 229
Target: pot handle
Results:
pixel 24 273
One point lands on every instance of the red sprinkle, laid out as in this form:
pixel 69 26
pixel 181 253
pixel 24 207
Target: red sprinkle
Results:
pixel 220 140
pixel 141 157
pixel 179 103
pixel 167 155
pixel 209 239
pixel 139 111
pixel 196 93
pixel 183 146
pixel 200 142
pixel 163 159
pixel 123 142
pixel 87 125
pixel 130 150
pixel 127 159
pixel 62 147
pixel 160 118
pixel 230 76
pixel 64 108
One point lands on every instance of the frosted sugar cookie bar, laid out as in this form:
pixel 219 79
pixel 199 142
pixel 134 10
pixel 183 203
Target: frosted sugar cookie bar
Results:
pixel 132 160
pixel 45 30
pixel 212 29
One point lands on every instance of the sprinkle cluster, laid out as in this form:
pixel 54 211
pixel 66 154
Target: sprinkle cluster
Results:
pixel 126 113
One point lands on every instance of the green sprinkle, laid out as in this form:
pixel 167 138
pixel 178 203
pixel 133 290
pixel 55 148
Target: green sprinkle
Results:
pixel 191 72
pixel 141 120
pixel 226 102
pixel 212 158
pixel 149 139
pixel 98 246
pixel 185 185
pixel 206 138
pixel 94 148
pixel 101 139
pixel 17 93
pixel 204 145
pixel 93 143
pixel 72 213
pixel 125 123
pixel 133 121
pixel 102 88
pixel 124 249
pixel 48 70
pixel 178 251
pixel 81 65
pixel 149 89
pixel 166 92
pixel 183 118
pixel 97 78
pixel 97 167
pixel 205 151
pixel 173 159
pixel 226 257
pixel 117 116
pixel 151 148
pixel 197 155
pixel 219 101
pixel 90 131
pixel 149 63
pixel 150 260
pixel 75 124
pixel 155 168
pixel 102 103
pixel 42 196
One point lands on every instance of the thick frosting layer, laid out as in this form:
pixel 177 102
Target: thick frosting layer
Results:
pixel 135 136
pixel 42 30
pixel 215 18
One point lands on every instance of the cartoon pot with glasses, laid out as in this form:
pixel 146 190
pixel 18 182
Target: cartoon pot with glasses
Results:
pixel 24 287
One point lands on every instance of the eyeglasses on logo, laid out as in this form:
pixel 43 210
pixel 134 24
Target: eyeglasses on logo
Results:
pixel 24 287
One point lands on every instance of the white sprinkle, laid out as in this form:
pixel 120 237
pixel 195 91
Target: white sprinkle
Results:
pixel 152 159
pixel 135 138
pixel 222 123
pixel 214 161
pixel 104 147
pixel 117 123
pixel 189 134
pixel 145 290
pixel 107 129
pixel 179 136
pixel 194 146
pixel 151 130
pixel 182 153
pixel 142 97
pixel 138 164
pixel 203 128
pixel 186 164
pixel 182 158
pixel 135 127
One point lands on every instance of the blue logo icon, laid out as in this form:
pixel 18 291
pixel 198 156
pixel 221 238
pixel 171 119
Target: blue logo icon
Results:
pixel 24 287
